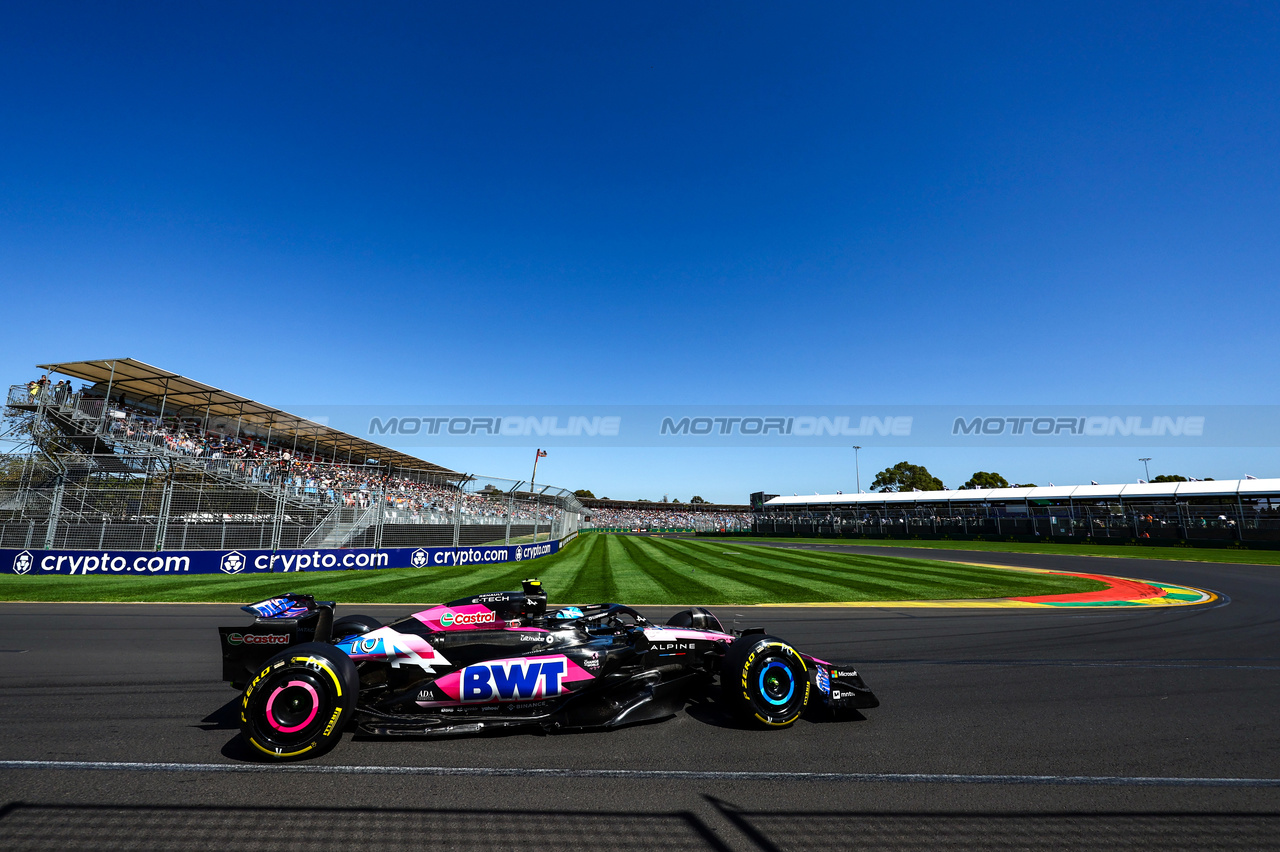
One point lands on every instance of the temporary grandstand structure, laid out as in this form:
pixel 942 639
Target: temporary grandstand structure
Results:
pixel 1139 492
pixel 149 459
pixel 165 393
pixel 1232 510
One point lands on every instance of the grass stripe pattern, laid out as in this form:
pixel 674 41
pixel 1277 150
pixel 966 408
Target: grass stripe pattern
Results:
pixel 598 567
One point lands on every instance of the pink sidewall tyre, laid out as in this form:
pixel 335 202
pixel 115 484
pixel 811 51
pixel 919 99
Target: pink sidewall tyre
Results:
pixel 299 703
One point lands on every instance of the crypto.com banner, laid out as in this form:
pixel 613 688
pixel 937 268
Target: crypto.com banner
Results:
pixel 85 563
pixel 809 426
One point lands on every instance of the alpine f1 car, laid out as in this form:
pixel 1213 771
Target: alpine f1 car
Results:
pixel 502 660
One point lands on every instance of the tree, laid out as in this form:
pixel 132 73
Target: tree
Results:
pixel 583 492
pixel 696 499
pixel 905 476
pixel 1168 477
pixel 983 479
pixel 675 499
pixel 1026 485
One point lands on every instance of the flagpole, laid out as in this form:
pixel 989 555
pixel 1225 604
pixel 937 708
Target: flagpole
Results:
pixel 537 454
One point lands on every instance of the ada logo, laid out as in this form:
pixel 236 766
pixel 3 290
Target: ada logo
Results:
pixel 419 558
pixel 232 563
pixel 22 562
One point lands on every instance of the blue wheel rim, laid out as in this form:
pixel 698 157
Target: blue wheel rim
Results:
pixel 785 674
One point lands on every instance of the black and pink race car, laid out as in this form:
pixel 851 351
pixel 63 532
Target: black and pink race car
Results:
pixel 502 660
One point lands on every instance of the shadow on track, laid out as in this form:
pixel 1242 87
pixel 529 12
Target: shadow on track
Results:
pixel 33 827
pixel 780 831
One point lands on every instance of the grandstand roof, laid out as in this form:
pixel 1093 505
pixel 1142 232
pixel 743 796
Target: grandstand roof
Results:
pixel 1138 491
pixel 187 397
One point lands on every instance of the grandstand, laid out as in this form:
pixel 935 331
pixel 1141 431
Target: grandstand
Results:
pixel 141 458
pixel 642 515
pixel 1234 511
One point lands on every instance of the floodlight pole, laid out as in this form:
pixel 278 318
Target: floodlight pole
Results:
pixel 857 472
pixel 1146 467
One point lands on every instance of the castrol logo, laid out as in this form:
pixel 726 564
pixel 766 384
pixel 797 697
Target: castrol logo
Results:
pixel 258 638
pixel 463 619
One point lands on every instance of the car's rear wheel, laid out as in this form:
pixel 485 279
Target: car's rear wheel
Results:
pixel 300 701
pixel 354 625
pixel 764 681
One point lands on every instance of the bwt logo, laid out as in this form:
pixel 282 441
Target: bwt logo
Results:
pixel 513 679
pixel 22 563
pixel 232 563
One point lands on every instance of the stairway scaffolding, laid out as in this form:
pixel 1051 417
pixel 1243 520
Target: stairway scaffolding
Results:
pixel 342 526
pixel 118 454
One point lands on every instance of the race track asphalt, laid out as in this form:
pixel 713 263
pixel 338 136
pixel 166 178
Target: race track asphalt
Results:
pixel 999 729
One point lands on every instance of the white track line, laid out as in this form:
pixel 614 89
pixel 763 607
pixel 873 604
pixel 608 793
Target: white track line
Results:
pixel 645 774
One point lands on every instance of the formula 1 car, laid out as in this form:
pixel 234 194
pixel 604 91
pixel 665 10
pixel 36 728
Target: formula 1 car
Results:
pixel 501 660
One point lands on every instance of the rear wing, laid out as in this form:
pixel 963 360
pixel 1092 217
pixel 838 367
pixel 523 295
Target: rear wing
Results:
pixel 286 606
pixel 279 622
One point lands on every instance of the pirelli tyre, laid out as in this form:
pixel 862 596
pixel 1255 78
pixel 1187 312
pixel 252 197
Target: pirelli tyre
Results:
pixel 299 702
pixel 764 681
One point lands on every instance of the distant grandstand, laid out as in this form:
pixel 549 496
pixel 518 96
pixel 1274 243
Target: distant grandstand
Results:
pixel 1233 511
pixel 141 458
pixel 642 515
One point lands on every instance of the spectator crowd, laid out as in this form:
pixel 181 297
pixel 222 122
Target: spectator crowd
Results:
pixel 668 516
pixel 410 496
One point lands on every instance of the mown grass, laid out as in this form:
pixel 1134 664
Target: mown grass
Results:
pixel 595 567
pixel 1127 551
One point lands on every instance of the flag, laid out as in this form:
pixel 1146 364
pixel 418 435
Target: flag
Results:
pixel 542 454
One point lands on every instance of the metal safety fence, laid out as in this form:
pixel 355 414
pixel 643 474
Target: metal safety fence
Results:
pixel 322 507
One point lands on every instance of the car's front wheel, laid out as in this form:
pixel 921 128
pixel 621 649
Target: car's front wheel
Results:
pixel 764 681
pixel 300 701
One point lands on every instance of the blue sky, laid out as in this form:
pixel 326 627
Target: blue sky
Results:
pixel 646 203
